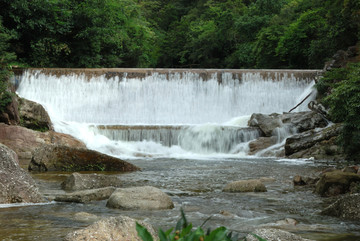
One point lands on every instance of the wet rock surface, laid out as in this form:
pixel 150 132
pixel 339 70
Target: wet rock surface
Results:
pixel 303 142
pixel 77 181
pixel 114 228
pixel 86 196
pixel 16 185
pixel 144 198
pixel 253 185
pixel 272 234
pixel 66 158
pixel 347 207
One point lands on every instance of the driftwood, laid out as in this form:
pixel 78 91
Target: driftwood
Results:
pixel 300 102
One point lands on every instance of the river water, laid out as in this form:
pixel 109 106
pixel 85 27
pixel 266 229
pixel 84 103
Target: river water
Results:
pixel 196 186
pixel 191 134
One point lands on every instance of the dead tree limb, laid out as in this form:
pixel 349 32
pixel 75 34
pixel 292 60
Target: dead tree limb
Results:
pixel 300 102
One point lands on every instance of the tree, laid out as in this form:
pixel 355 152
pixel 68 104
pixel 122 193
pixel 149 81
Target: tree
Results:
pixel 5 58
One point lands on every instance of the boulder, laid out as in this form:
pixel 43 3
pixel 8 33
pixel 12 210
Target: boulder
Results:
pixel 65 158
pixel 114 228
pixel 252 185
pixel 304 121
pixel 77 181
pixel 16 185
pixel 86 195
pixel 34 116
pixel 266 123
pixel 24 141
pixel 144 198
pixel 347 207
pixel 272 234
pixel 308 139
pixel 297 122
pixel 335 183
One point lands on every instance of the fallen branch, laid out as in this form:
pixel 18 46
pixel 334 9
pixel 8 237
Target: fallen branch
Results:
pixel 300 102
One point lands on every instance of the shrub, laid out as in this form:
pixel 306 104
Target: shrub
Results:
pixel 340 89
pixel 184 232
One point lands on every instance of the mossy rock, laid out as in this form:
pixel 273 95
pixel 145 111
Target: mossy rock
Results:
pixel 335 183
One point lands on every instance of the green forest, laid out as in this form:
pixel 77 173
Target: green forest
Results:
pixel 300 34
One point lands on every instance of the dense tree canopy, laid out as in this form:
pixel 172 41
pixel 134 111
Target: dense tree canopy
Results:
pixel 180 33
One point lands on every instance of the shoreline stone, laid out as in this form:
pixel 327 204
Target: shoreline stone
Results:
pixel 114 228
pixel 144 198
pixel 16 185
pixel 252 185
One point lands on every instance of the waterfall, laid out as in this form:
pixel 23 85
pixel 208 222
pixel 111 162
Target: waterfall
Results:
pixel 132 111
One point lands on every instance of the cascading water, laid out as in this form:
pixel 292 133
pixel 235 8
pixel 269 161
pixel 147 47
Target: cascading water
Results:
pixel 190 110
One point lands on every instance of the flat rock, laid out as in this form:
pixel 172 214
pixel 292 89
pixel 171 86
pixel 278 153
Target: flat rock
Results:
pixel 144 198
pixel 252 185
pixel 77 181
pixel 272 234
pixel 16 185
pixel 347 207
pixel 86 196
pixel 65 158
pixel 335 183
pixel 120 228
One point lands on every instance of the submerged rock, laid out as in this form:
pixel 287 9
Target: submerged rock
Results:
pixel 34 116
pixel 252 185
pixel 144 198
pixel 77 181
pixel 65 158
pixel 86 196
pixel 336 182
pixel 272 234
pixel 16 185
pixel 347 207
pixel 120 228
pixel 24 141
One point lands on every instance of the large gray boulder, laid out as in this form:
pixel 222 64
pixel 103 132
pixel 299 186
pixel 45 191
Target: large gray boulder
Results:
pixel 266 123
pixel 86 196
pixel 34 116
pixel 77 181
pixel 66 158
pixel 308 139
pixel 251 185
pixel 298 121
pixel 347 207
pixel 144 198
pixel 272 234
pixel 16 185
pixel 114 228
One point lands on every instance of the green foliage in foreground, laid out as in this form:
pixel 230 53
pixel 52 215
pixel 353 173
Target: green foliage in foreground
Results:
pixel 340 90
pixel 184 232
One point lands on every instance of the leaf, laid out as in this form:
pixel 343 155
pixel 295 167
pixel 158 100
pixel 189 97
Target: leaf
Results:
pixel 143 233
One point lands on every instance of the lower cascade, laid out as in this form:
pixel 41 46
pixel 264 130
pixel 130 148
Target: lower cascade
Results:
pixel 163 113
